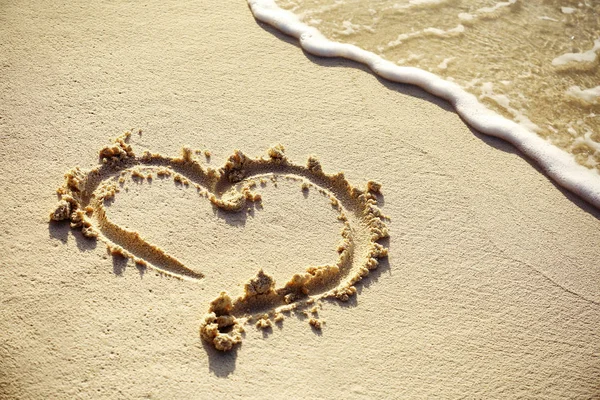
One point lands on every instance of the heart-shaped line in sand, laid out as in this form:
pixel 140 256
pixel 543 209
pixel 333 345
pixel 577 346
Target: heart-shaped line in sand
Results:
pixel 230 188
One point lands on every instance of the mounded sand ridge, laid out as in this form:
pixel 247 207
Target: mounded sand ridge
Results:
pixel 231 188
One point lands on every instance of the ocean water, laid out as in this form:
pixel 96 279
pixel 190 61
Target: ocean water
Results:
pixel 533 62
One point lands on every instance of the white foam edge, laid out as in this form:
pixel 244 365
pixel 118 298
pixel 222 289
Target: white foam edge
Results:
pixel 555 162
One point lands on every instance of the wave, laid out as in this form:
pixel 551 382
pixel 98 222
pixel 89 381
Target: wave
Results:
pixel 558 164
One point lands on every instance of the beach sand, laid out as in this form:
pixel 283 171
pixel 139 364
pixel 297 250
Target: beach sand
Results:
pixel 491 288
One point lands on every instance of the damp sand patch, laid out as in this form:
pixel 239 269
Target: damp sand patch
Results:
pixel 231 188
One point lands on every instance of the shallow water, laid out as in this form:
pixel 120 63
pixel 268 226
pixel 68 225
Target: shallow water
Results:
pixel 534 62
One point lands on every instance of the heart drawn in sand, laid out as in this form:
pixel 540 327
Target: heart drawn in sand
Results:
pixel 231 188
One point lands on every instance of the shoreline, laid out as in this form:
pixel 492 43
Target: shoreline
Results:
pixel 555 162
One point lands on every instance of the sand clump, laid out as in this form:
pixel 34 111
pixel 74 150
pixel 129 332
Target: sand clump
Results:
pixel 82 200
pixel 264 322
pixel 316 323
pixel 260 285
pixel 220 328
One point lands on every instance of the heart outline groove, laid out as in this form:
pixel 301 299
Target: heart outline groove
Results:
pixel 231 188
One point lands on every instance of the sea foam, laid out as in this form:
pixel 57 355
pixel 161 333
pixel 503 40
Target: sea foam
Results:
pixel 557 164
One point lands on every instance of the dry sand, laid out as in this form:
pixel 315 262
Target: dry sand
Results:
pixel 492 288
